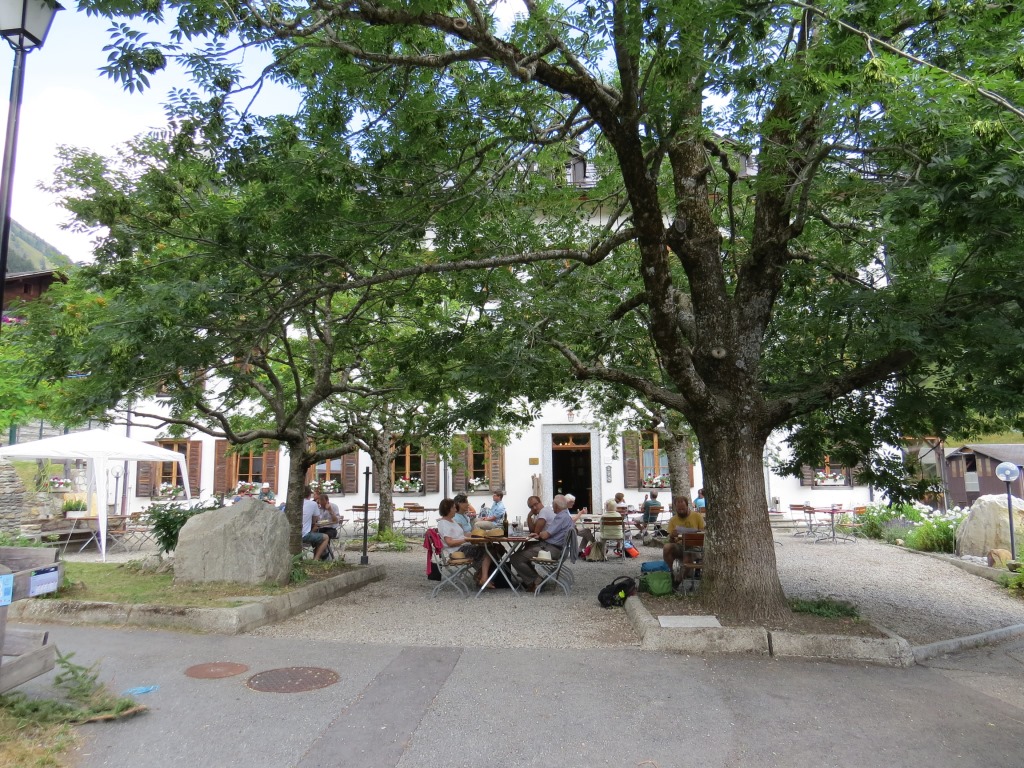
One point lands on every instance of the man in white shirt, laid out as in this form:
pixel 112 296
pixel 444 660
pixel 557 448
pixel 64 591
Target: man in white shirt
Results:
pixel 310 535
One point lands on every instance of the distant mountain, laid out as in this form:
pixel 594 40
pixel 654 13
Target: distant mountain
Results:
pixel 30 253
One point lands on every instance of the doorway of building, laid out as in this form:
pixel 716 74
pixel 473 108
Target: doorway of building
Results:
pixel 570 467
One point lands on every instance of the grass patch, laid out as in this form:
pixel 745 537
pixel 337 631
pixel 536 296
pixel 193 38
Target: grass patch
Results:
pixel 825 607
pixel 128 583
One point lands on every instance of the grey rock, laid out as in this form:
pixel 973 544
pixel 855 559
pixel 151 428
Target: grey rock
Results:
pixel 987 527
pixel 246 542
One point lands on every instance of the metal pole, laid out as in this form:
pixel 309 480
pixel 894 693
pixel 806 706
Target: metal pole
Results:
pixel 7 174
pixel 364 560
pixel 1009 506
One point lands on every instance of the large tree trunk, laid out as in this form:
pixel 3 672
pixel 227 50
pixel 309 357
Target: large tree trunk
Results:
pixel 740 576
pixel 677 451
pixel 297 467
pixel 381 454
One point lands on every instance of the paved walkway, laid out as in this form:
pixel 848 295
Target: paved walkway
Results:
pixel 415 707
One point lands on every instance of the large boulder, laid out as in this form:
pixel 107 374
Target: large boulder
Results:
pixel 246 542
pixel 987 527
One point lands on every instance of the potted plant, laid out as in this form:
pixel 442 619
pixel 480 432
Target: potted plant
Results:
pixel 59 484
pixel 477 484
pixel 657 481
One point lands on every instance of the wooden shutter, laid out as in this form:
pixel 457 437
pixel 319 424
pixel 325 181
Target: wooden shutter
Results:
pixel 194 460
pixel 806 475
pixel 431 476
pixel 460 469
pixel 145 471
pixel 496 470
pixel 350 472
pixel 221 483
pixel 270 467
pixel 631 459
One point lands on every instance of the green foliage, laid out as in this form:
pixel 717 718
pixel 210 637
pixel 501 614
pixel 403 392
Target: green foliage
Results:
pixel 1014 582
pixel 298 573
pixel 12 540
pixel 873 522
pixel 83 697
pixel 169 518
pixel 392 537
pixel 74 505
pixel 826 607
pixel 933 535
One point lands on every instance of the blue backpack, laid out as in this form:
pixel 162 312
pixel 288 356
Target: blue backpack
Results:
pixel 654 566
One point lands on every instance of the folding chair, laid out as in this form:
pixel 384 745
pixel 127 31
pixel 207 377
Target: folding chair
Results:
pixel 558 570
pixel 454 572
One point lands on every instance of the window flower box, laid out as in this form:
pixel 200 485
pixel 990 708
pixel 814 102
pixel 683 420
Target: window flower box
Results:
pixel 657 481
pixel 408 486
pixel 60 485
pixel 479 484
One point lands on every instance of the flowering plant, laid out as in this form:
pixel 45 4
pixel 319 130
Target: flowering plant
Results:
pixel 246 489
pixel 407 484
pixel 657 481
pixel 168 489
pixel 327 486
pixel 60 483
pixel 479 483
pixel 831 478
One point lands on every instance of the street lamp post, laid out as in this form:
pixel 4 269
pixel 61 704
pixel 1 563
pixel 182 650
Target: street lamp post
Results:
pixel 1008 472
pixel 24 23
pixel 365 560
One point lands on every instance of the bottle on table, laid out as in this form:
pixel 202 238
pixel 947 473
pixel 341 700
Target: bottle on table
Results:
pixel 504 525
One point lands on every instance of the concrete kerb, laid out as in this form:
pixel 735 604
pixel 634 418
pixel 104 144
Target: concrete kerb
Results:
pixel 224 621
pixel 892 651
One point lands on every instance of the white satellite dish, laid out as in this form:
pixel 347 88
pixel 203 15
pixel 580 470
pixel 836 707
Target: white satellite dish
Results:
pixel 1007 472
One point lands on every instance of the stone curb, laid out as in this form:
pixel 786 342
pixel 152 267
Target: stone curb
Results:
pixel 992 574
pixel 924 652
pixel 222 621
pixel 893 651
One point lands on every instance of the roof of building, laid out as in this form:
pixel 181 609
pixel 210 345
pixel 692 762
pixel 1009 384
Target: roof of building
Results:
pixel 1012 452
pixel 57 273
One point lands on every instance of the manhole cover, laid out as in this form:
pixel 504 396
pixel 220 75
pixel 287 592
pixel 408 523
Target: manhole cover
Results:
pixel 216 669
pixel 292 679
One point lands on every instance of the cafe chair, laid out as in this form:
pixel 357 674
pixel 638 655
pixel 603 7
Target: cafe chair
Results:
pixel 558 571
pixel 455 572
pixel 693 551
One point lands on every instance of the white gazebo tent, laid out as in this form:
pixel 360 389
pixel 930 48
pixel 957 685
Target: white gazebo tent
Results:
pixel 98 449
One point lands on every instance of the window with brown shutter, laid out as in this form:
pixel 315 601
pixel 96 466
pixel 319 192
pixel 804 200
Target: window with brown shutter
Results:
pixel 631 459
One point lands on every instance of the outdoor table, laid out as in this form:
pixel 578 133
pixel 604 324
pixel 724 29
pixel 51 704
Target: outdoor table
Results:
pixel 510 545
pixel 830 534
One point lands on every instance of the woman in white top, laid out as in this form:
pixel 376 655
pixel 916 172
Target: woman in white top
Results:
pixel 454 539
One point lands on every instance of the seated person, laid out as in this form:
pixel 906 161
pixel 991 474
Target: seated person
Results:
pixel 310 535
pixel 551 530
pixel 266 494
pixel 649 512
pixel 496 514
pixel 700 502
pixel 684 520
pixel 454 538
pixel 464 512
pixel 328 516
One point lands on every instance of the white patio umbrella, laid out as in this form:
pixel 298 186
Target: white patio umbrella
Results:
pixel 97 448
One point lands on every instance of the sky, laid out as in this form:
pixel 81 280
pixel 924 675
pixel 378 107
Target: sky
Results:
pixel 68 101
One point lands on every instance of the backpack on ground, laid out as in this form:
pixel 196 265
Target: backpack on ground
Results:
pixel 657 583
pixel 654 565
pixel 614 595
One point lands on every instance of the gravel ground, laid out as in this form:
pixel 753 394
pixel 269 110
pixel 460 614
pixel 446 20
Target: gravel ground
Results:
pixel 918 597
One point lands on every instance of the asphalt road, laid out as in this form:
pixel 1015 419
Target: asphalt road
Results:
pixel 405 706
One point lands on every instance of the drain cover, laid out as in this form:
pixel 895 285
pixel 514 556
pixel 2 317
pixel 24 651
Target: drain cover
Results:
pixel 292 679
pixel 216 669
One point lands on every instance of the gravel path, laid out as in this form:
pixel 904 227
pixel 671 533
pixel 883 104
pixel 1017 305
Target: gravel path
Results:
pixel 920 598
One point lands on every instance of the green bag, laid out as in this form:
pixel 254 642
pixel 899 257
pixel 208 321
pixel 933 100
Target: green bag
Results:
pixel 657 583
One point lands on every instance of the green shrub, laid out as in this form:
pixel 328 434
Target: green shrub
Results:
pixel 897 528
pixel 392 537
pixel 933 535
pixel 169 518
pixel 1013 582
pixel 9 540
